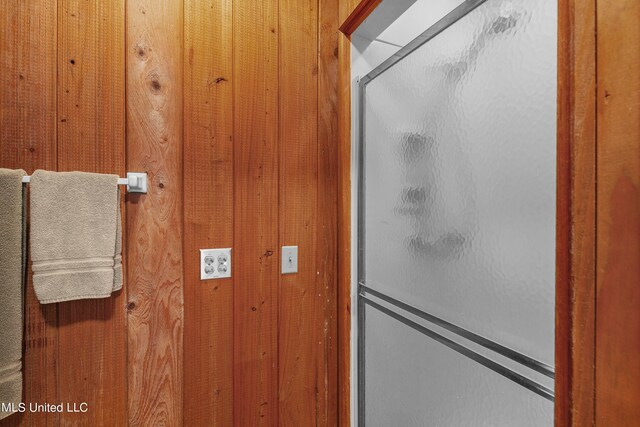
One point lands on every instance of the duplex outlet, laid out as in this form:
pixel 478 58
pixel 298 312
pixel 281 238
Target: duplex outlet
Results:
pixel 215 263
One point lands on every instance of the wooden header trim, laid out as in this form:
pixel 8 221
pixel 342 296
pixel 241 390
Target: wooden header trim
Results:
pixel 359 14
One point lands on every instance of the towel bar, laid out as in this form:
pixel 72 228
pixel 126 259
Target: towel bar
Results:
pixel 136 182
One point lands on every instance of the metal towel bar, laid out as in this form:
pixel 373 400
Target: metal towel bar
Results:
pixel 136 182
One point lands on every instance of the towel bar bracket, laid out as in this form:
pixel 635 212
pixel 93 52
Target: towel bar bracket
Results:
pixel 136 182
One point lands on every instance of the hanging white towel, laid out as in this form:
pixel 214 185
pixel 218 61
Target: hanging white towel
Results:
pixel 75 235
pixel 12 262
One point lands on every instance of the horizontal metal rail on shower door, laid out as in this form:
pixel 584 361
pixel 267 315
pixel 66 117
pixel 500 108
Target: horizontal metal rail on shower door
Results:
pixel 502 350
pixel 506 372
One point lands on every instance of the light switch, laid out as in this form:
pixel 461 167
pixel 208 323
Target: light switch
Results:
pixel 289 259
pixel 215 263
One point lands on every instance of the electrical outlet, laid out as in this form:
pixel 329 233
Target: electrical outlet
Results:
pixel 215 263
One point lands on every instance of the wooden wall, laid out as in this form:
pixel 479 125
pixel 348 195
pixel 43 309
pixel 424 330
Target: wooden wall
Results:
pixel 617 397
pixel 231 108
pixel 598 292
pixel 597 316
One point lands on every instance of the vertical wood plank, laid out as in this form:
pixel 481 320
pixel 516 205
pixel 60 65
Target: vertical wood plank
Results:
pixel 618 223
pixel 327 228
pixel 299 295
pixel 155 275
pixel 92 340
pixel 91 86
pixel 208 211
pixel 28 81
pixel 576 215
pixel 255 258
pixel 28 141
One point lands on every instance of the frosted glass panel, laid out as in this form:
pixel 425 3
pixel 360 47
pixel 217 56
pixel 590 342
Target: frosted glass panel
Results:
pixel 417 381
pixel 459 175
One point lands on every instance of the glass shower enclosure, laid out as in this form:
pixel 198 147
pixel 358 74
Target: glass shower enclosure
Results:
pixel 456 223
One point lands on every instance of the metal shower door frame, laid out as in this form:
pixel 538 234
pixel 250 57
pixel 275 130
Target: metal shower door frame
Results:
pixel 451 18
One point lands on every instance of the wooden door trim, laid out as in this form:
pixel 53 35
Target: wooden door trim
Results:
pixel 358 15
pixel 576 215
pixel 347 10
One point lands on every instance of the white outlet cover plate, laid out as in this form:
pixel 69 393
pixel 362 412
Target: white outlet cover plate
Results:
pixel 215 263
pixel 289 259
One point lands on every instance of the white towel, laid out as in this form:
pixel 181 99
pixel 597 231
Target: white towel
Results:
pixel 12 261
pixel 75 235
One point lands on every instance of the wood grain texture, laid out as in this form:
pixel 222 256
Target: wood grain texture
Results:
pixel 28 81
pixel 155 273
pixel 28 140
pixel 344 220
pixel 299 298
pixel 576 215
pixel 357 15
pixel 618 223
pixel 327 228
pixel 259 168
pixel 92 333
pixel 208 211
pixel 256 251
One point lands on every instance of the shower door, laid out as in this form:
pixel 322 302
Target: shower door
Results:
pixel 456 223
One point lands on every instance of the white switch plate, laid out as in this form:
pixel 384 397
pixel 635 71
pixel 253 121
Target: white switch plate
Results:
pixel 215 263
pixel 289 259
